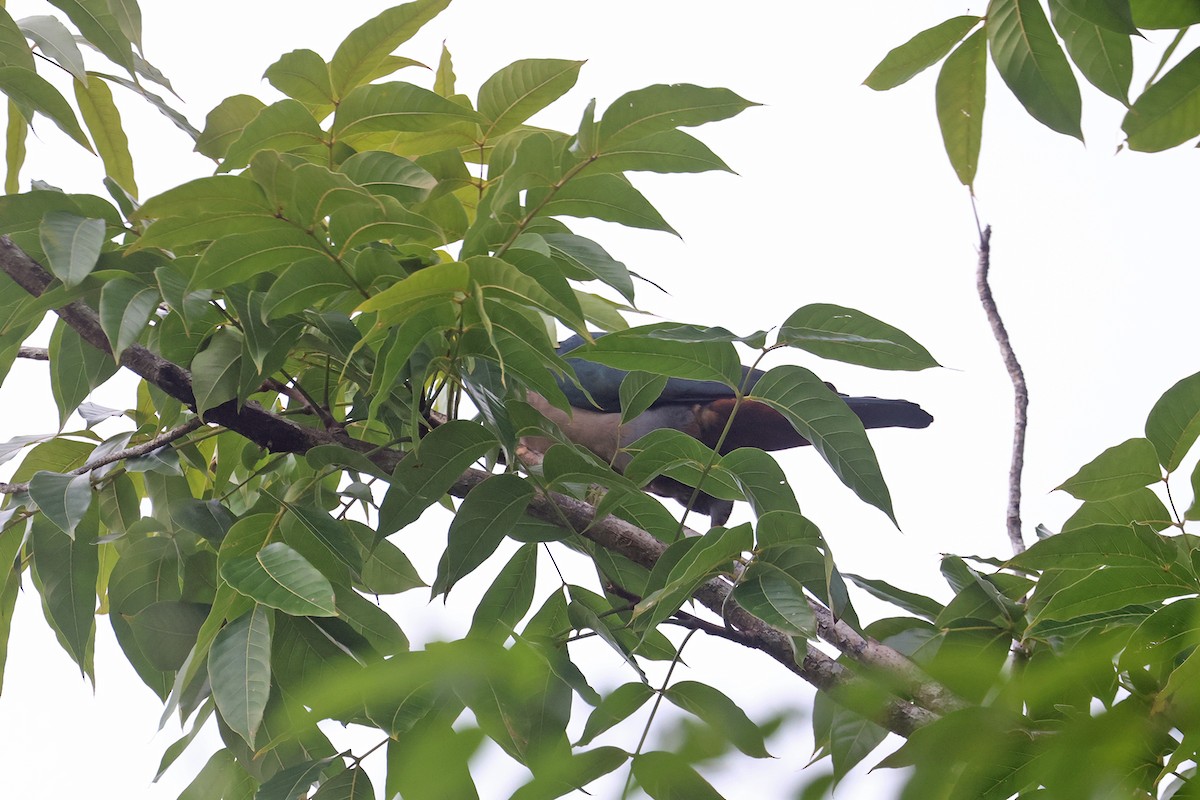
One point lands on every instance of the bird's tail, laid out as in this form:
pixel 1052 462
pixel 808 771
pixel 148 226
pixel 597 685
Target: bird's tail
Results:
pixel 879 412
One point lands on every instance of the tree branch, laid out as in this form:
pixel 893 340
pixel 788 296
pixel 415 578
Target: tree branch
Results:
pixel 34 353
pixel 130 452
pixel 1020 391
pixel 280 435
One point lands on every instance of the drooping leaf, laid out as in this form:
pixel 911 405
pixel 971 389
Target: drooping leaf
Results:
pixel 1103 55
pixel 487 515
pixel 101 29
pixel 832 428
pixel 66 569
pixel 31 91
pixel 215 370
pixel 76 368
pixel 667 776
pixel 64 499
pixel 103 120
pixel 427 473
pixel 961 94
pixel 126 305
pixel 1030 61
pixel 71 244
pixel 239 669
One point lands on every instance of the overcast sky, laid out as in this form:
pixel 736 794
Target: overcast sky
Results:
pixel 842 195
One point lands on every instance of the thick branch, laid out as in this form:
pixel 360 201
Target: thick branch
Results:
pixel 34 353
pixel 1020 392
pixel 280 435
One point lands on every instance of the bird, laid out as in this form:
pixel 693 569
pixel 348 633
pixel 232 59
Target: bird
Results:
pixel 698 408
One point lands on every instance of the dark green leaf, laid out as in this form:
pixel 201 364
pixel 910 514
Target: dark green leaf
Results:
pixel 279 577
pixel 283 126
pixel 1103 55
pixel 215 370
pixel 666 776
pixel 31 91
pixel 1168 112
pixel 715 708
pixel 66 570
pixel 509 597
pixel 239 668
pixel 523 88
pixel 1174 422
pixel 483 520
pixel 71 244
pixel 1030 61
pixel 64 499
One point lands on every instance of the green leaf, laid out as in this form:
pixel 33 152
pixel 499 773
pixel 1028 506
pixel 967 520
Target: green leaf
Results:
pixel 283 126
pixel 569 775
pixel 332 538
pixel 359 57
pixel 1110 589
pixel 432 762
pixel 1117 471
pixel 641 113
pixel 500 278
pixel 663 152
pixel 397 107
pixel 126 305
pixel 241 256
pixel 1168 112
pixel 523 88
pixel 239 669
pixel 103 120
pixel 279 577
pixel 428 473
pixel 391 175
pixel 293 781
pixel 845 334
pixel 225 123
pixel 216 370
pixel 71 244
pixel 95 20
pixel 638 349
pixel 1174 423
pixel 304 284
pixel 667 776
pixel 1030 61
pixel 76 368
pixel 31 91
pixel 14 50
pixel 1098 546
pixel 166 632
pixel 611 198
pixel 1103 55
pixel 776 598
pixel 848 736
pixel 443 81
pixel 587 260
pixel 1111 15
pixel 919 53
pixel 835 432
pixel 16 134
pixel 1140 506
pixel 351 784
pixel 406 297
pixel 761 480
pixel 509 597
pixel 714 707
pixel 911 602
pixel 213 195
pixel 302 75
pixel 638 392
pixel 961 95
pixel 1159 14
pixel 66 569
pixel 489 512
pixel 56 42
pixel 64 499
pixel 619 705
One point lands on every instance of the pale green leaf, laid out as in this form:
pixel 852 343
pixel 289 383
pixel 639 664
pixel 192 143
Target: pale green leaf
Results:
pixel 71 244
pixel 919 53
pixel 103 120
pixel 638 114
pixel 360 55
pixel 1117 471
pixel 239 669
pixel 845 334
pixel 279 577
pixel 64 499
pixel 961 94
pixel 523 88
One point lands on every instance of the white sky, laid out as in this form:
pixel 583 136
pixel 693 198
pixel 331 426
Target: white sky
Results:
pixel 843 196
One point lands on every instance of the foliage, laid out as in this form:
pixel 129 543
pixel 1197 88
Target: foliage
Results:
pixel 338 329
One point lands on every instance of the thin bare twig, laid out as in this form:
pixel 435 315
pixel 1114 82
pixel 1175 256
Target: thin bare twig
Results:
pixel 1020 391
pixel 142 449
